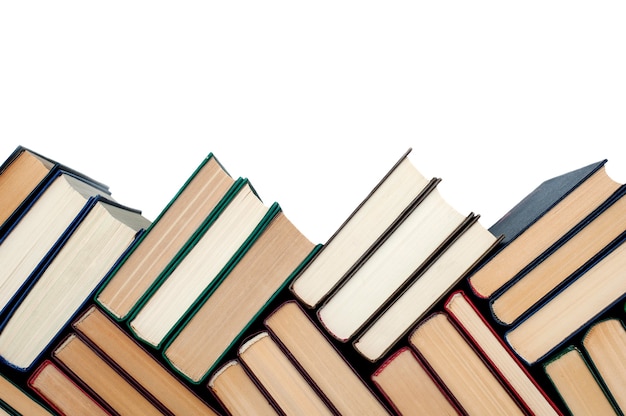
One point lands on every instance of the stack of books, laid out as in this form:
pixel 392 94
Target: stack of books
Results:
pixel 222 306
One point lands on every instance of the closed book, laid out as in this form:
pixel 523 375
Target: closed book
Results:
pixel 16 400
pixel 577 384
pixel 605 345
pixel 77 263
pixel 23 175
pixel 366 227
pixel 128 357
pixel 29 242
pixel 426 230
pixel 280 378
pixel 62 393
pixel 103 381
pixel 461 368
pixel 202 194
pixel 222 315
pixel 539 220
pixel 321 362
pixel 553 267
pixel 410 388
pixel 198 268
pixel 426 288
pixel 500 357
pixel 595 287
pixel 238 393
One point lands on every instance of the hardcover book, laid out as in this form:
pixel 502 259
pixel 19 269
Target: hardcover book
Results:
pixel 200 196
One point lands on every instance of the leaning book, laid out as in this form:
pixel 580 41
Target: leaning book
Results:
pixel 76 265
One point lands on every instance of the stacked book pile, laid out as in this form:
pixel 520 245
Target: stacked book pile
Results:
pixel 222 306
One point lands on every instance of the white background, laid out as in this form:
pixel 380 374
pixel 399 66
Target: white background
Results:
pixel 315 101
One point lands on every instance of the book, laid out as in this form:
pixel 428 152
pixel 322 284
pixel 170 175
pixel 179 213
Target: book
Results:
pixel 174 226
pixel 280 378
pixel 198 268
pixel 31 237
pixel 238 393
pixel 62 393
pixel 586 240
pixel 460 368
pixel 410 388
pixel 605 345
pixel 596 286
pixel 320 361
pixel 105 335
pixel 539 220
pixel 15 400
pixel 426 289
pixel 423 233
pixel 217 321
pixel 577 385
pixel 501 359
pixel 22 177
pixel 103 381
pixel 77 263
pixel 372 220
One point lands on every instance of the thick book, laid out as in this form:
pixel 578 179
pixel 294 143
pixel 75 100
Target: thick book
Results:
pixel 595 287
pixel 425 289
pixel 368 225
pixel 16 400
pixel 177 223
pixel 104 335
pixel 605 345
pixel 321 362
pixel 30 239
pixel 410 388
pixel 539 221
pixel 420 237
pixel 461 369
pixel 554 266
pixel 62 393
pixel 280 378
pixel 22 177
pixel 102 380
pixel 218 320
pixel 501 359
pixel 74 267
pixel 577 384
pixel 238 393
pixel 197 269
